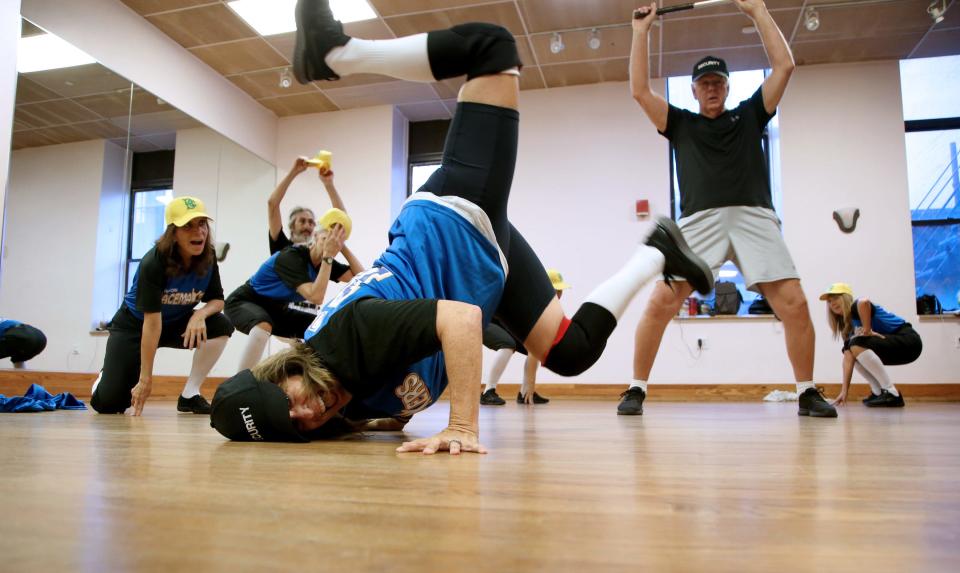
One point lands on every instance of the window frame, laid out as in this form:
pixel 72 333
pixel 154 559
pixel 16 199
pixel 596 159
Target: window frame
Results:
pixel 928 125
pixel 128 256
pixel 674 200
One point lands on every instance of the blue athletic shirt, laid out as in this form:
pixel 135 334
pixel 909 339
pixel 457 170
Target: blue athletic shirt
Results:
pixel 440 248
pixel 287 269
pixel 173 297
pixel 6 324
pixel 881 320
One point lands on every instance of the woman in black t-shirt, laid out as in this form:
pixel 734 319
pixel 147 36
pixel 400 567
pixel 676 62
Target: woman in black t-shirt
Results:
pixel 177 273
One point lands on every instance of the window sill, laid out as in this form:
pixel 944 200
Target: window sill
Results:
pixel 725 317
pixel 947 317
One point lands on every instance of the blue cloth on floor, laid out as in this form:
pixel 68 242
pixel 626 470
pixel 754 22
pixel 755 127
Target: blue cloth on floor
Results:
pixel 37 399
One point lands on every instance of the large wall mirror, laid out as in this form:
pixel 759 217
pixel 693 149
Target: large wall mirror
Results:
pixel 94 160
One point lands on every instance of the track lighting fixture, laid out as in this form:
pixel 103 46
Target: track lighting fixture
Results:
pixel 556 43
pixel 811 20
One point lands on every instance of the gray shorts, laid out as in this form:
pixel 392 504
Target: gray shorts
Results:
pixel 748 236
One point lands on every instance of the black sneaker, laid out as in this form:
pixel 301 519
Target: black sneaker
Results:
pixel 317 33
pixel 871 398
pixel 631 402
pixel 198 405
pixel 886 400
pixel 491 398
pixel 812 404
pixel 537 398
pixel 680 261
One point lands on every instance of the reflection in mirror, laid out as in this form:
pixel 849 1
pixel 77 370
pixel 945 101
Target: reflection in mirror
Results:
pixel 93 159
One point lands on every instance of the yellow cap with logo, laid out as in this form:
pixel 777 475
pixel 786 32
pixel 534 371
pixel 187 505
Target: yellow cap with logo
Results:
pixel 837 288
pixel 182 210
pixel 556 279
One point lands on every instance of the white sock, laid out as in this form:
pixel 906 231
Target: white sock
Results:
pixel 641 384
pixel 256 342
pixel 204 358
pixel 499 365
pixel 402 58
pixel 804 386
pixel 874 385
pixel 615 293
pixel 872 364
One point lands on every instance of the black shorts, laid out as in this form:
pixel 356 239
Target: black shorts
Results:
pixel 246 309
pixel 903 346
pixel 495 337
pixel 371 340
pixel 22 342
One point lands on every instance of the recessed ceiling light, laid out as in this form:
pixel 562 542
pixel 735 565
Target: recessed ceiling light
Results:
pixel 270 17
pixel 48 52
pixel 747 30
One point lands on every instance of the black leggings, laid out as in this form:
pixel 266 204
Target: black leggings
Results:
pixel 121 362
pixel 900 347
pixel 21 343
pixel 479 157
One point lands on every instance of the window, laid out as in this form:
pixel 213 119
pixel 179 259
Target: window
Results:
pixel 931 112
pixel 419 173
pixel 146 225
pixel 151 188
pixel 742 86
pixel 425 145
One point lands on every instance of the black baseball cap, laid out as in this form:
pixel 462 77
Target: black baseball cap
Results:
pixel 710 65
pixel 248 410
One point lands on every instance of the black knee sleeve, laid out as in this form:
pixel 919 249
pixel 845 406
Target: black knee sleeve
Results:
pixel 584 341
pixel 475 49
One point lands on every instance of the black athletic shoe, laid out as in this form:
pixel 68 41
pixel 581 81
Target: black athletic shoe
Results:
pixel 631 402
pixel 317 33
pixel 812 404
pixel 871 398
pixel 680 262
pixel 886 400
pixel 198 405
pixel 537 398
pixel 491 398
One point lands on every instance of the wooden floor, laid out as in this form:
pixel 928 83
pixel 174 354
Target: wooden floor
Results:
pixel 568 486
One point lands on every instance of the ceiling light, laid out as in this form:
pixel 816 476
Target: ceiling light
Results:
pixel 811 20
pixel 286 78
pixel 556 43
pixel 594 41
pixel 747 30
pixel 48 52
pixel 936 9
pixel 270 17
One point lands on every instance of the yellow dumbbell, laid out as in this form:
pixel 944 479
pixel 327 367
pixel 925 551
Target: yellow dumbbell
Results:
pixel 335 216
pixel 323 160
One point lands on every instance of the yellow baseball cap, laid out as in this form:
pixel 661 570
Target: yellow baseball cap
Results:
pixel 837 288
pixel 182 210
pixel 556 279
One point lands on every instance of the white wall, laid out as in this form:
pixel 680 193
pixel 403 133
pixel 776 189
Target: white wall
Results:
pixel 577 179
pixel 9 36
pixel 53 203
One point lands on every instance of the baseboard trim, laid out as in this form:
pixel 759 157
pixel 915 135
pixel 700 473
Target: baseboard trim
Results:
pixel 15 382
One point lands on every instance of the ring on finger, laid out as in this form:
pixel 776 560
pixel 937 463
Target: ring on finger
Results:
pixel 459 444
